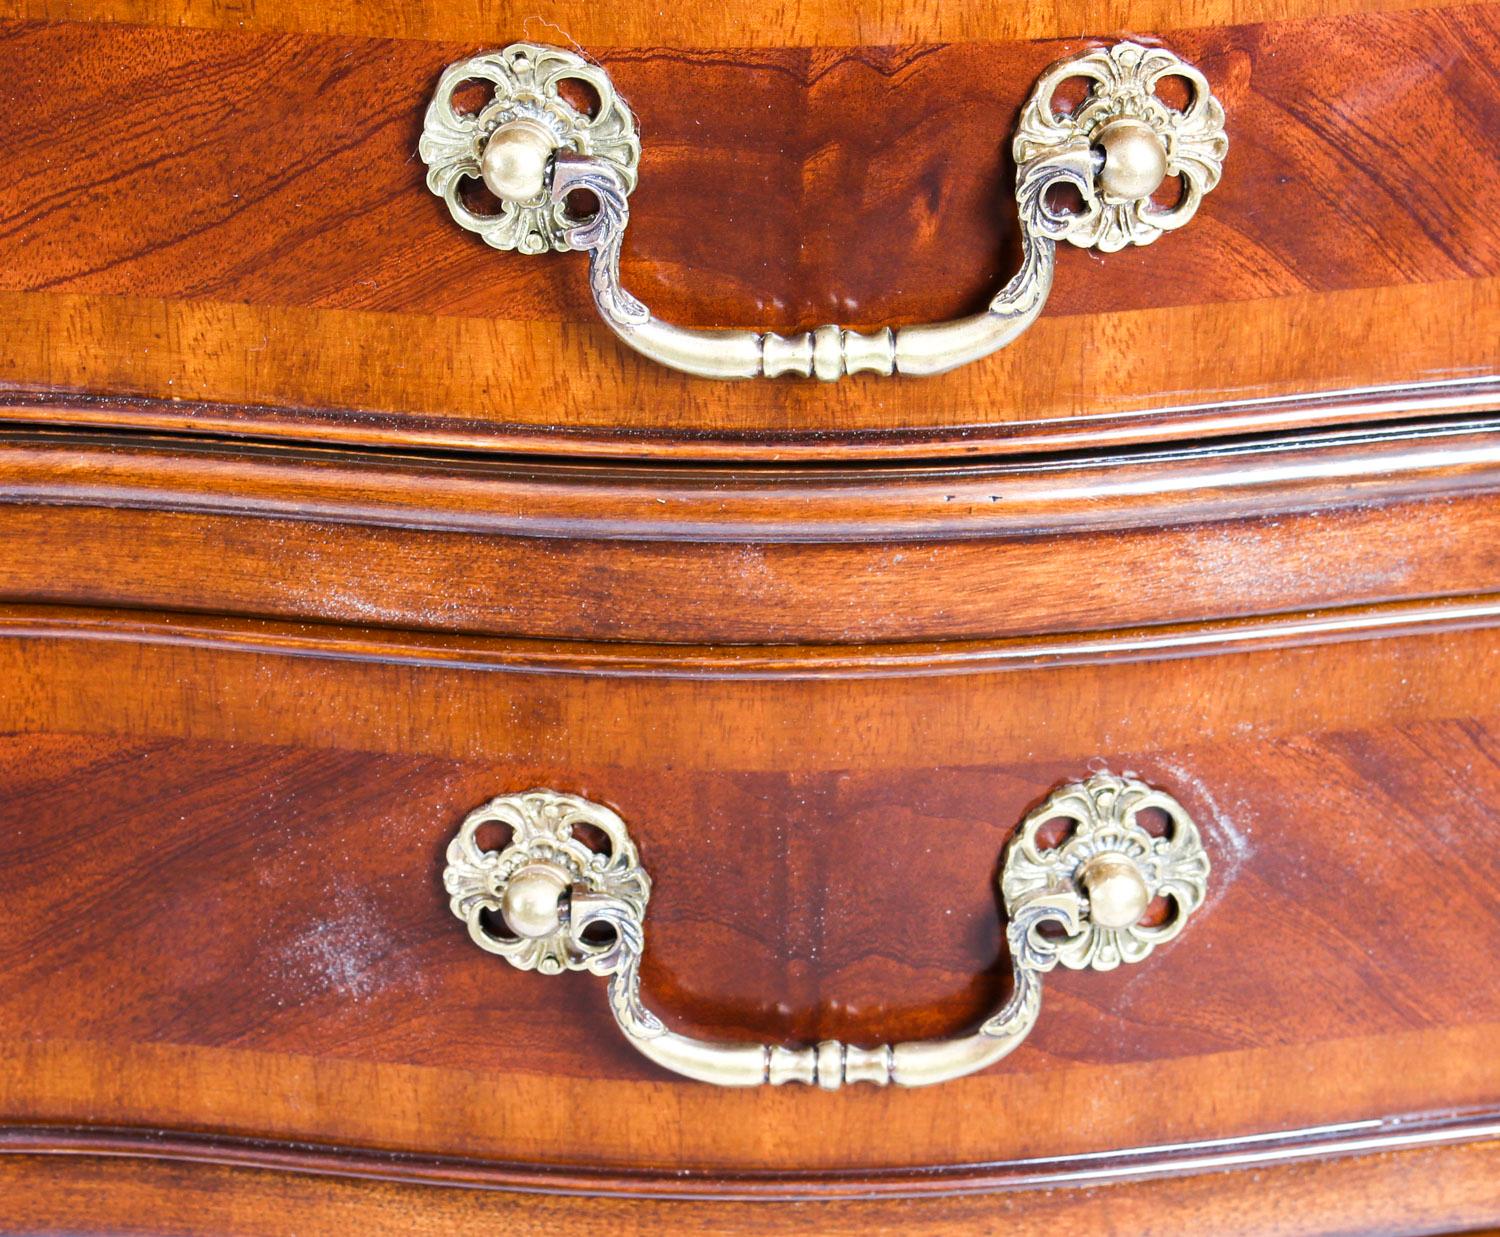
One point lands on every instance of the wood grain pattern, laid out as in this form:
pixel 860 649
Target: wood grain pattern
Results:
pixel 270 804
pixel 284 816
pixel 552 394
pixel 756 23
pixel 274 245
pixel 837 193
pixel 250 690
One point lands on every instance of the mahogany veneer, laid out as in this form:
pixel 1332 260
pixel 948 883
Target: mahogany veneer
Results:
pixel 823 824
pixel 828 874
pixel 258 247
pixel 321 524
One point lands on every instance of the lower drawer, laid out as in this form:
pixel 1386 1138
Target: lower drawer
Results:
pixel 222 843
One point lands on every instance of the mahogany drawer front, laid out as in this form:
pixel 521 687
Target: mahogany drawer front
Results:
pixel 251 693
pixel 263 256
pixel 221 868
pixel 323 524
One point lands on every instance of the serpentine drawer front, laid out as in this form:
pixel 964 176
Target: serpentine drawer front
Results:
pixel 478 723
pixel 851 847
pixel 919 175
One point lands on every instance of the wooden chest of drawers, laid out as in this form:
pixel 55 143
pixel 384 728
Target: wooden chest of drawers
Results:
pixel 325 525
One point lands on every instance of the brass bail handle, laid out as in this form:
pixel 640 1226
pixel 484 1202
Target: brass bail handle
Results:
pixel 547 901
pixel 533 149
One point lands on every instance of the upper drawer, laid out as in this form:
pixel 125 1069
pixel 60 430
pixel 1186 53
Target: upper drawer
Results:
pixel 218 218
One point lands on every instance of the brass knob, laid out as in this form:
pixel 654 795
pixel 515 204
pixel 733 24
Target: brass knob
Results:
pixel 532 904
pixel 1118 895
pixel 1135 160
pixel 514 163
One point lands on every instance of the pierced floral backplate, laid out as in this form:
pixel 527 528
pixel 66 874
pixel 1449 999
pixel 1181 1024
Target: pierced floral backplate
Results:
pixel 1105 812
pixel 543 827
pixel 1123 82
pixel 528 83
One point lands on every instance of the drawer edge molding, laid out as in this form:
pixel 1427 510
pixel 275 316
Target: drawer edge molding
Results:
pixel 1251 1154
pixel 756 557
pixel 1275 475
pixel 369 428
pixel 481 653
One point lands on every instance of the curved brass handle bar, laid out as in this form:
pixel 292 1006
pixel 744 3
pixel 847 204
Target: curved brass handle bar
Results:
pixel 550 891
pixel 533 150
pixel 830 351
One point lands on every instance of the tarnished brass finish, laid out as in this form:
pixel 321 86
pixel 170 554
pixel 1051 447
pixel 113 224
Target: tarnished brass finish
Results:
pixel 1115 150
pixel 531 120
pixel 516 158
pixel 550 889
pixel 1134 160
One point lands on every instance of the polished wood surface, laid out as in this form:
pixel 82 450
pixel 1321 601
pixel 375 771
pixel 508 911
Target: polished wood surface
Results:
pixel 780 556
pixel 221 835
pixel 283 815
pixel 1399 1192
pixel 682 23
pixel 321 524
pixel 1300 1150
pixel 260 241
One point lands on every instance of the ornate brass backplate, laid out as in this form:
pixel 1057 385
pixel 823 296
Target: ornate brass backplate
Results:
pixel 535 151
pixel 541 901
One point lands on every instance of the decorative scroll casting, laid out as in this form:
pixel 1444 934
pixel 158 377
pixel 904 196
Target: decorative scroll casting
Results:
pixel 527 80
pixel 551 893
pixel 542 825
pixel 1104 811
pixel 1124 80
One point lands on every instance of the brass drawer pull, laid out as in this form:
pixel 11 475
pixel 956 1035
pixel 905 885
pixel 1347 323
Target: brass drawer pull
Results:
pixel 533 148
pixel 551 892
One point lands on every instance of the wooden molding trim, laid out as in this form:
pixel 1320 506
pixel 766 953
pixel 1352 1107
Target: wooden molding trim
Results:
pixel 1476 394
pixel 1267 476
pixel 1249 1154
pixel 764 556
pixel 1441 1189
pixel 457 652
